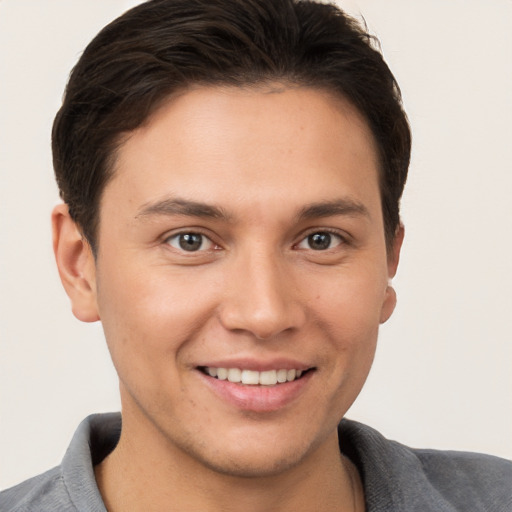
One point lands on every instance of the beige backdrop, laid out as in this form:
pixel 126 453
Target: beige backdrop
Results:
pixel 442 377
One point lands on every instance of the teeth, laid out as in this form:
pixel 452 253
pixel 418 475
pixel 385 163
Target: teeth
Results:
pixel 234 375
pixel 254 378
pixel 250 377
pixel 268 378
pixel 281 375
pixel 222 373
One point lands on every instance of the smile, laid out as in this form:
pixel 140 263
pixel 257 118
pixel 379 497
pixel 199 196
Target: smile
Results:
pixel 253 378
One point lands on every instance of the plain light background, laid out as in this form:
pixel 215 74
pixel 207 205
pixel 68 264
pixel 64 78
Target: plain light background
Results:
pixel 443 372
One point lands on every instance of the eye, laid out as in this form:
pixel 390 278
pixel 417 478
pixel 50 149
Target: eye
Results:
pixel 190 242
pixel 321 241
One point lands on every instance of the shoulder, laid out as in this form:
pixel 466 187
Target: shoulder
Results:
pixel 470 478
pixel 405 478
pixel 71 486
pixel 43 492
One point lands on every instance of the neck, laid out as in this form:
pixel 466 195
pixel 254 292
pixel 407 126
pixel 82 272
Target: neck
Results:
pixel 142 475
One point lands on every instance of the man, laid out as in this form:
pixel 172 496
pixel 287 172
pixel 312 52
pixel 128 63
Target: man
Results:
pixel 231 174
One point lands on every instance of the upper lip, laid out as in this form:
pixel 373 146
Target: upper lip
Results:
pixel 257 365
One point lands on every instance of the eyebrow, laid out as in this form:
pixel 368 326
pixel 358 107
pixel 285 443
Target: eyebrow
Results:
pixel 184 207
pixel 344 206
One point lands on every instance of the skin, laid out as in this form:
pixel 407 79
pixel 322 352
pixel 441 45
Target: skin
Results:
pixel 256 291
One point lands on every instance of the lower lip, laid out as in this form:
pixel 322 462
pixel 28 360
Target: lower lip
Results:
pixel 258 398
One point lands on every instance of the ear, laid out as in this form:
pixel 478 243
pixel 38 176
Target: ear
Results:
pixel 389 303
pixel 76 265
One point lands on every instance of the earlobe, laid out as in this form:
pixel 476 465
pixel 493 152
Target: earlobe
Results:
pixel 76 265
pixel 388 306
pixel 389 303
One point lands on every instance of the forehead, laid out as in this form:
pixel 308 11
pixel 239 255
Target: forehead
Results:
pixel 244 146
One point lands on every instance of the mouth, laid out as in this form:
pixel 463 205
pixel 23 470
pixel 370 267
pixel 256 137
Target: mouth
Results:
pixel 258 387
pixel 255 378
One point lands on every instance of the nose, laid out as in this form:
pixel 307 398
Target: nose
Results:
pixel 262 298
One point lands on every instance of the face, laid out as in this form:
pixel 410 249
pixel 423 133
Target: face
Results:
pixel 242 274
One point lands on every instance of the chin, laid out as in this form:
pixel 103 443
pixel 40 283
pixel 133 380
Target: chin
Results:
pixel 256 454
pixel 260 465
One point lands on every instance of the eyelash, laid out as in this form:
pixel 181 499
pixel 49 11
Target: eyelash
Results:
pixel 204 238
pixel 342 240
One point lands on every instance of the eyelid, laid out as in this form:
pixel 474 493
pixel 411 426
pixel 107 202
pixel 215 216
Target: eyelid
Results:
pixel 343 237
pixel 187 231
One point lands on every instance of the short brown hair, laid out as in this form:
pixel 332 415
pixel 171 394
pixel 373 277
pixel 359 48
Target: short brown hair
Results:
pixel 162 46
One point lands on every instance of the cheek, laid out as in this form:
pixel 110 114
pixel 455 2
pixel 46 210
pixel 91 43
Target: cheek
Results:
pixel 352 301
pixel 349 311
pixel 351 322
pixel 149 317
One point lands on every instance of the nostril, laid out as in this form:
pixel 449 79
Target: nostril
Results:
pixel 259 301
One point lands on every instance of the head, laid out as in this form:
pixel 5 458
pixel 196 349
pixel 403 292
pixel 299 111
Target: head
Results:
pixel 161 48
pixel 232 171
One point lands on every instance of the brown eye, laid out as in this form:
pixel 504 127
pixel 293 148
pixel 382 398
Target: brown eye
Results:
pixel 321 241
pixel 190 242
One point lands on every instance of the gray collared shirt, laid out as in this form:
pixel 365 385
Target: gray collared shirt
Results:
pixel 395 478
